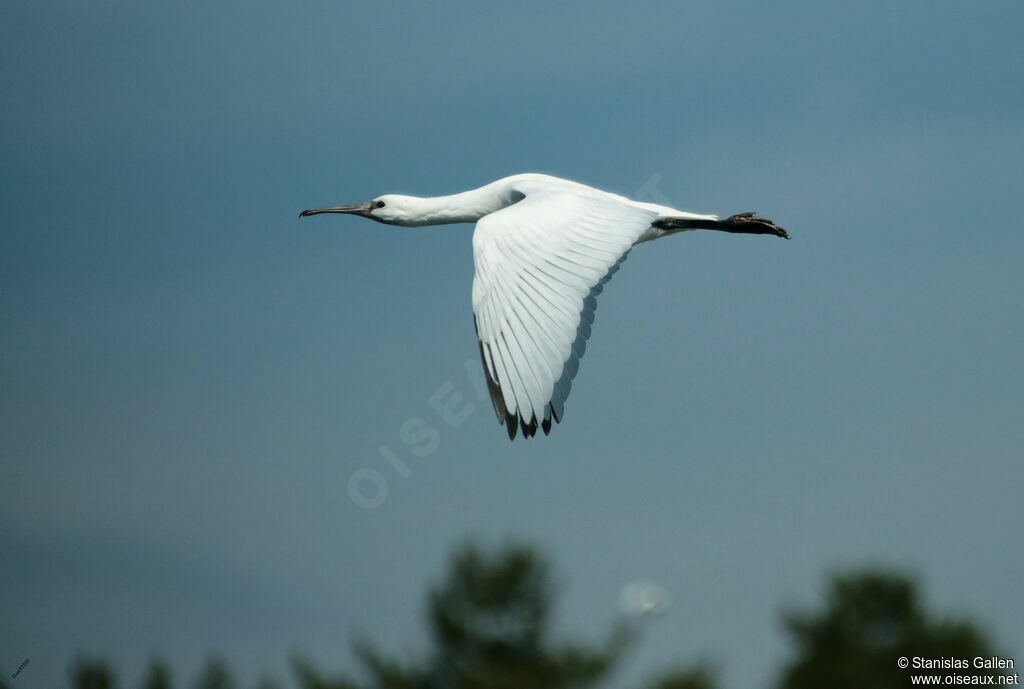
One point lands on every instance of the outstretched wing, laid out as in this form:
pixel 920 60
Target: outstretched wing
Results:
pixel 540 263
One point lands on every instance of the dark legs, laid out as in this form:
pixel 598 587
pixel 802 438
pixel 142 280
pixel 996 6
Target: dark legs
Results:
pixel 741 223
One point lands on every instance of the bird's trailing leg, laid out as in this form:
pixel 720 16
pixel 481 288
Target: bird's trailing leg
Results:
pixel 751 223
pixel 741 223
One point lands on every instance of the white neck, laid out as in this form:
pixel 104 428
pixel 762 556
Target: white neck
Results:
pixel 465 207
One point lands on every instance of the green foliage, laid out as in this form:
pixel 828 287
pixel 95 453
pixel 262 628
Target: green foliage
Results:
pixel 158 676
pixel 489 626
pixel 869 621
pixel 699 676
pixel 308 677
pixel 92 674
pixel 215 675
pixel 490 621
pixel 268 683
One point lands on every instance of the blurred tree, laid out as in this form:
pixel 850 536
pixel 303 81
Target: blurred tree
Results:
pixel 92 674
pixel 699 676
pixel 268 683
pixel 158 676
pixel 870 620
pixel 489 623
pixel 215 675
pixel 309 677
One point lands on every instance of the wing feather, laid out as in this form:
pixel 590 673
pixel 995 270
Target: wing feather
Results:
pixel 540 264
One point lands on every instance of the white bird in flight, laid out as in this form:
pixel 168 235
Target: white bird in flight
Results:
pixel 543 248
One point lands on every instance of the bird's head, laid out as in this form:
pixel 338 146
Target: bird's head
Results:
pixel 391 209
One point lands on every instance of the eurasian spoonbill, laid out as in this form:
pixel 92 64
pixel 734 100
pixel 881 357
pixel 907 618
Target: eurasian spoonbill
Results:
pixel 543 249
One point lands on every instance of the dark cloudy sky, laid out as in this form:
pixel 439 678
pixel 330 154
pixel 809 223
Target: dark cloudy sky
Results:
pixel 190 377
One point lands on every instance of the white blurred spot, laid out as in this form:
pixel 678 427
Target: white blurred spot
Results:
pixel 639 598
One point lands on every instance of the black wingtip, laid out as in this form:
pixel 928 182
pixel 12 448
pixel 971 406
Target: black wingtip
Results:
pixel 528 429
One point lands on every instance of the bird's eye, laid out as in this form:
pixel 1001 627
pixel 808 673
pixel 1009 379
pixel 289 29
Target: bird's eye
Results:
pixel 379 204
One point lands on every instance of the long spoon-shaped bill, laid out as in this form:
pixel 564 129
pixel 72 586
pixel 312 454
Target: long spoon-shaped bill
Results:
pixel 362 209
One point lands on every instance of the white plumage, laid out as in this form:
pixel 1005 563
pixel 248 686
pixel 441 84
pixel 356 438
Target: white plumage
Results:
pixel 543 248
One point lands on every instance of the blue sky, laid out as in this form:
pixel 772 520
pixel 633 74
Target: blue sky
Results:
pixel 189 376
